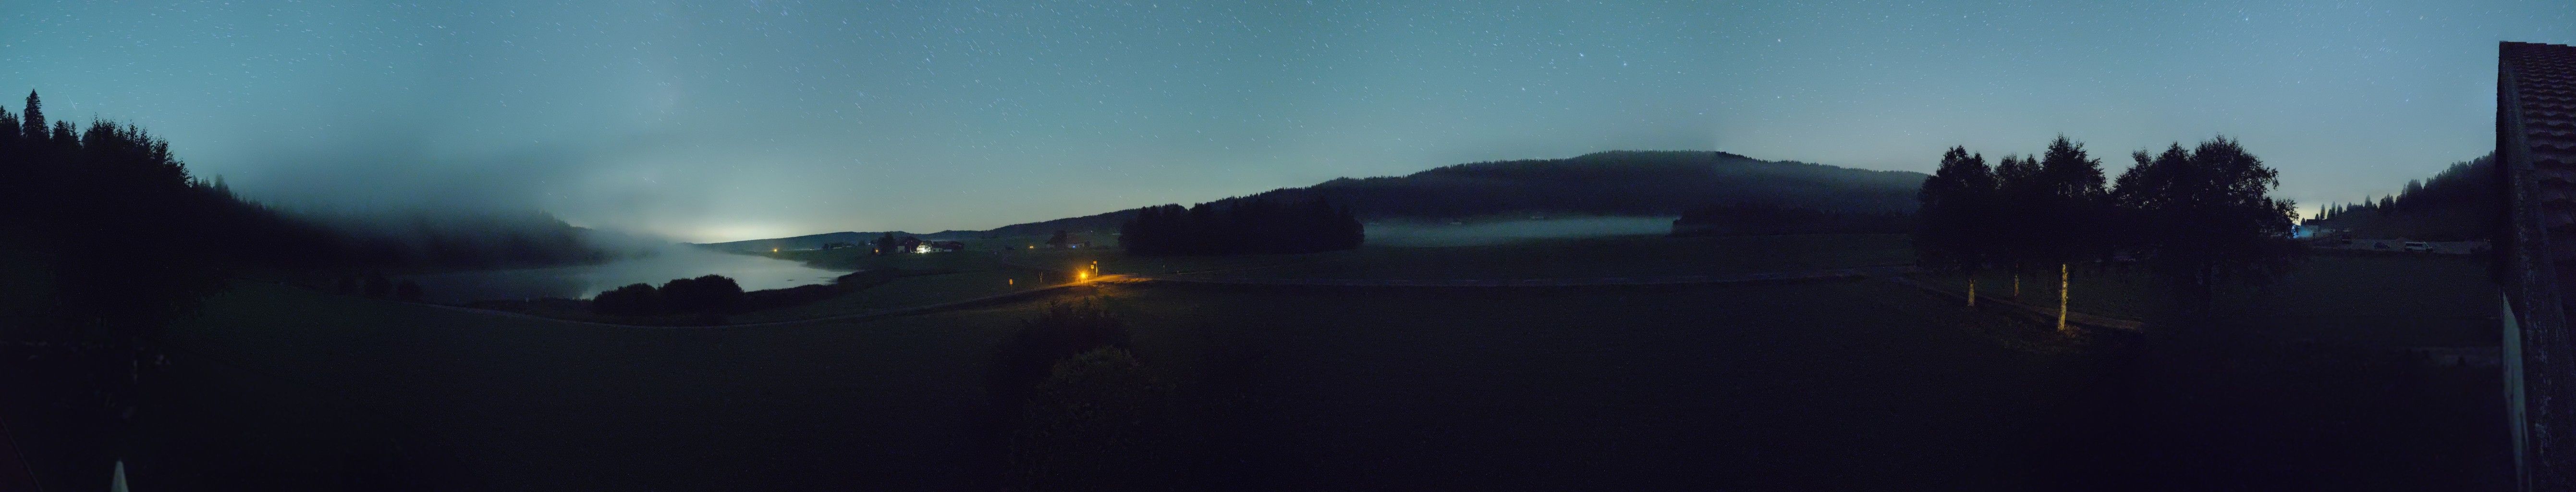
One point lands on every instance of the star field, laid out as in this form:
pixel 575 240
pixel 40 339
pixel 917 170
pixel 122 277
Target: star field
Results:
pixel 734 120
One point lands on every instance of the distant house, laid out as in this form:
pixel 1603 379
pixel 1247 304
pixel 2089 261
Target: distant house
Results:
pixel 908 244
pixel 946 246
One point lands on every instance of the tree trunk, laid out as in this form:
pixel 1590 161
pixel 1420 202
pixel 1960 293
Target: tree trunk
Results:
pixel 1972 290
pixel 2061 297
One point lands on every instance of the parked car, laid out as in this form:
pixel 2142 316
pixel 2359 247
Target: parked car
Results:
pixel 2419 246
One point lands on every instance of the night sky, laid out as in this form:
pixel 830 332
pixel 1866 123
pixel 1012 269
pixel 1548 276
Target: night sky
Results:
pixel 737 120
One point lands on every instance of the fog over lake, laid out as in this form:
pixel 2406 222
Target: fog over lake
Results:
pixel 584 281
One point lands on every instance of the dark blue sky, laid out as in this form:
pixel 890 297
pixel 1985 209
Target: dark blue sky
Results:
pixel 734 120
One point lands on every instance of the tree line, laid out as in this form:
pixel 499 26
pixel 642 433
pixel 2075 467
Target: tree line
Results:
pixel 2461 203
pixel 1241 226
pixel 2198 217
pixel 131 238
pixel 127 239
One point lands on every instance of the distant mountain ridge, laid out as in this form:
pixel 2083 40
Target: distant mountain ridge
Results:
pixel 1619 183
pixel 1637 183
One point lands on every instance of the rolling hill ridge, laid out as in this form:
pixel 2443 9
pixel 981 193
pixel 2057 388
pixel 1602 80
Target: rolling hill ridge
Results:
pixel 1635 183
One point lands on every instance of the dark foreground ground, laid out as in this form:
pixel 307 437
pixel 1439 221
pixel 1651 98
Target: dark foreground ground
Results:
pixel 1820 385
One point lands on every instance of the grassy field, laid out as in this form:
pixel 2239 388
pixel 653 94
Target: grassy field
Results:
pixel 1842 385
pixel 1111 260
pixel 972 274
pixel 922 290
pixel 315 386
pixel 1820 385
pixel 46 405
pixel 1458 387
pixel 2385 300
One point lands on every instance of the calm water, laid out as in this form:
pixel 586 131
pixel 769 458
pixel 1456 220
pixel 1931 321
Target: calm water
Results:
pixel 753 272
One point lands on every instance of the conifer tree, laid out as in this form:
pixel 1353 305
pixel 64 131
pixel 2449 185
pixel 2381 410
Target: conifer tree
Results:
pixel 1957 205
pixel 34 120
pixel 2209 219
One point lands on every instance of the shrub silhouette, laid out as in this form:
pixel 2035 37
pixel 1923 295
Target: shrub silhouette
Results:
pixel 377 286
pixel 1099 421
pixel 711 295
pixel 707 294
pixel 632 300
pixel 407 290
pixel 1060 331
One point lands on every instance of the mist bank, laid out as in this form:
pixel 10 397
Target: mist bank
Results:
pixel 816 241
pixel 656 266
pixel 1420 233
pixel 474 239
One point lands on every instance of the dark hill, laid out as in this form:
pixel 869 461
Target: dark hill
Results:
pixel 1657 183
pixel 1619 183
pixel 1646 183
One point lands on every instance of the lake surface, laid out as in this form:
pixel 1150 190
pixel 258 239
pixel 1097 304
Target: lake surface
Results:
pixel 584 281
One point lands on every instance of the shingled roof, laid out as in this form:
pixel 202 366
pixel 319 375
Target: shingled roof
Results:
pixel 2536 141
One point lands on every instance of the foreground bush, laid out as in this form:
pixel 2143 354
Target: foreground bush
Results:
pixel 1060 331
pixel 377 286
pixel 407 290
pixel 1099 421
pixel 631 300
pixel 707 294
pixel 717 294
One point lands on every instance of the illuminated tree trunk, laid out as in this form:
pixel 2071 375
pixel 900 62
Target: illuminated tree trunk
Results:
pixel 2061 297
pixel 1972 290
